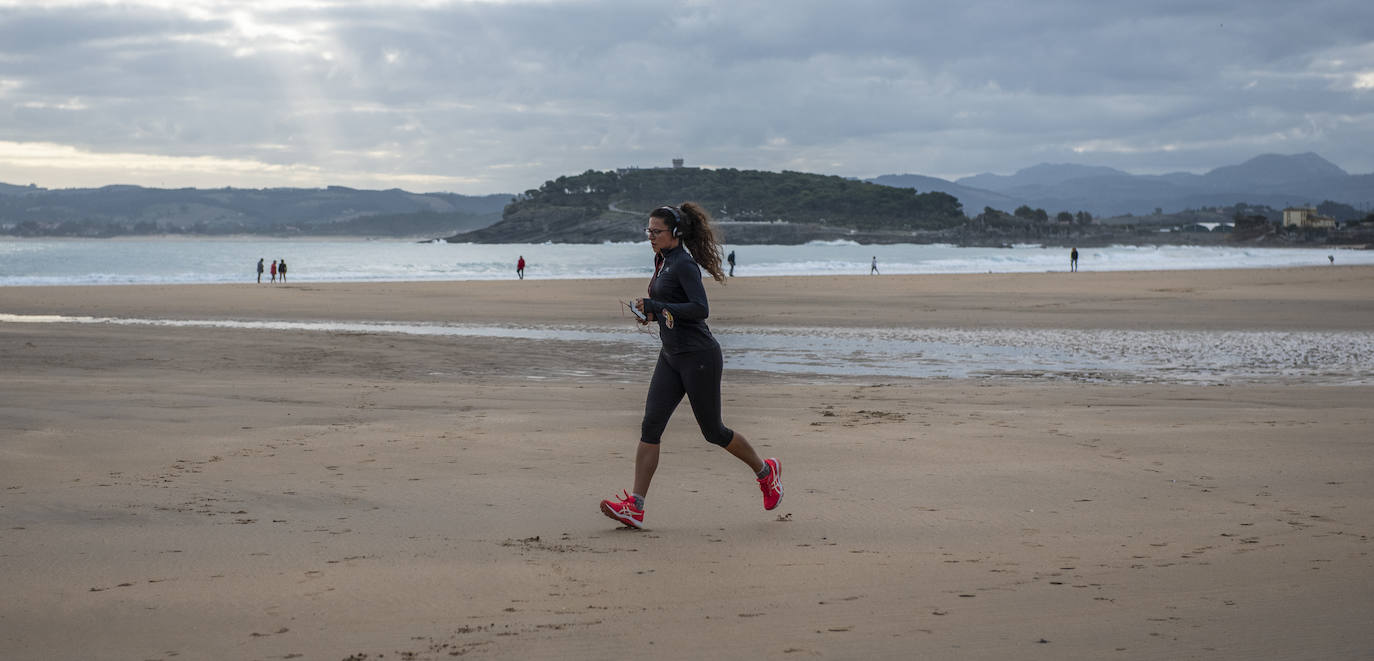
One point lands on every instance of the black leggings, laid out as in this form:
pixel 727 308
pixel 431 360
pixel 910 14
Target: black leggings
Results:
pixel 695 374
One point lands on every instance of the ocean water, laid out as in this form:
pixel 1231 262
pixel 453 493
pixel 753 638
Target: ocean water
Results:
pixel 169 261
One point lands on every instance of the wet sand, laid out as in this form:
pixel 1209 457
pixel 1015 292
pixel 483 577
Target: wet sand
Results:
pixel 220 493
pixel 1321 298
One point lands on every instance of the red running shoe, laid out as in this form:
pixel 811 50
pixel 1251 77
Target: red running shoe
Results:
pixel 771 486
pixel 624 511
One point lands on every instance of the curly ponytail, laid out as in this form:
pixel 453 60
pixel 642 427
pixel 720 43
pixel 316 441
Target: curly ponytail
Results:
pixel 693 225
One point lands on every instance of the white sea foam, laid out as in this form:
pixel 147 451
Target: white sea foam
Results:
pixel 834 242
pixel 131 261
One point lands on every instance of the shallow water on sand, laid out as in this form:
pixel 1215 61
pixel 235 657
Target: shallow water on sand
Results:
pixel 1100 355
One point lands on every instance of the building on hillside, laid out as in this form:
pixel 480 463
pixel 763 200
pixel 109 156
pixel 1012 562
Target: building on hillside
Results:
pixel 1307 218
pixel 677 163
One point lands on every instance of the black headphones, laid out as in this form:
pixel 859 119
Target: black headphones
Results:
pixel 678 221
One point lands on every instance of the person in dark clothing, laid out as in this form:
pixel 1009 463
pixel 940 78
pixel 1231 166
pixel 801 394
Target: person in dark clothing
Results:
pixel 689 362
pixel 281 270
pixel 731 259
pixel 1073 260
pixel 520 267
pixel 260 270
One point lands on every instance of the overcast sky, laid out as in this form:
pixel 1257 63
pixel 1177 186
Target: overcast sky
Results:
pixel 488 97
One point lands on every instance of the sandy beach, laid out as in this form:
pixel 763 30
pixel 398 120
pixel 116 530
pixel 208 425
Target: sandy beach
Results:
pixel 220 493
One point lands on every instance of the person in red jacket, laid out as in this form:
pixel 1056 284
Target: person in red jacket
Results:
pixel 520 267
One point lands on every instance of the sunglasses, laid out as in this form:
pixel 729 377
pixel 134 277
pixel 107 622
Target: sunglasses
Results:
pixel 653 232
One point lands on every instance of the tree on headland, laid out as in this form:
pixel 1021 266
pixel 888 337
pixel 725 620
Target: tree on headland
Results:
pixel 1341 212
pixel 1251 227
pixel 1039 215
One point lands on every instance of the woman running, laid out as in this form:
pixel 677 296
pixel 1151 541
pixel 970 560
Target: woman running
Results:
pixel 690 362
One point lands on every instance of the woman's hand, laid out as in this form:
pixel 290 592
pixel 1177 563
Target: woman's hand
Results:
pixel 639 305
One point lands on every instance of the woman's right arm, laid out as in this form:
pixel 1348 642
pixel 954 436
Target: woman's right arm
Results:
pixel 689 277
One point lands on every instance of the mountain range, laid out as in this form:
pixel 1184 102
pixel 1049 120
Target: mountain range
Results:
pixel 1271 180
pixel 248 210
pixel 1274 180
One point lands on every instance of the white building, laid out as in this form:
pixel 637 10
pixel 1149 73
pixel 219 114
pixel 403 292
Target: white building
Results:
pixel 1307 217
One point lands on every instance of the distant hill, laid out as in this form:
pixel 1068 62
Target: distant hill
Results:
pixel 11 189
pixel 113 210
pixel 1269 179
pixel 751 206
pixel 1274 170
pixel 972 199
pixel 1044 174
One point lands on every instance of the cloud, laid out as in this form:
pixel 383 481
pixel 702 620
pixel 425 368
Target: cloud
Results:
pixel 499 96
pixel 30 161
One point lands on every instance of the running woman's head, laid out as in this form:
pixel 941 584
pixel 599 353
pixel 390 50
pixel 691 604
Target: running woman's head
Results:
pixel 689 224
pixel 660 230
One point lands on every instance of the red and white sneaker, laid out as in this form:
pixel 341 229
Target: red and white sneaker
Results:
pixel 771 486
pixel 624 511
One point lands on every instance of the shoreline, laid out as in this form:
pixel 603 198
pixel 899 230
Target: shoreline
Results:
pixel 992 242
pixel 1087 242
pixel 1329 298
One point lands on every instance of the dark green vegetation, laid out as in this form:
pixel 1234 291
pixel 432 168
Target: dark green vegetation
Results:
pixel 781 207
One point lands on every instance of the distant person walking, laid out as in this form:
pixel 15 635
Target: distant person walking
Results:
pixel 520 267
pixel 731 259
pixel 281 270
pixel 1332 258
pixel 873 268
pixel 274 271
pixel 259 270
pixel 1073 260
